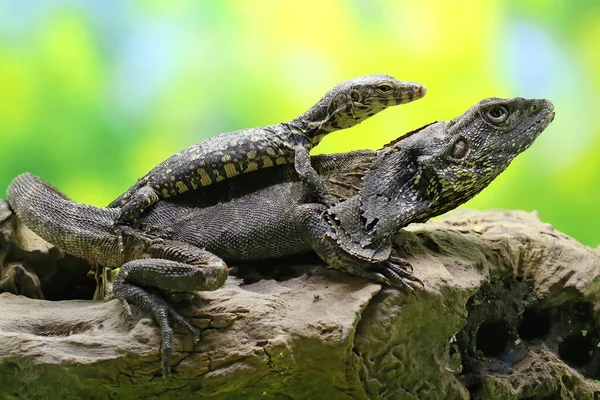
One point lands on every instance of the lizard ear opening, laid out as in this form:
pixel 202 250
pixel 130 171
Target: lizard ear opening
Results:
pixel 459 149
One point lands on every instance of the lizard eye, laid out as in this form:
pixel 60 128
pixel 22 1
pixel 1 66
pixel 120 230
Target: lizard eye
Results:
pixel 384 87
pixel 355 96
pixel 497 114
pixel 459 149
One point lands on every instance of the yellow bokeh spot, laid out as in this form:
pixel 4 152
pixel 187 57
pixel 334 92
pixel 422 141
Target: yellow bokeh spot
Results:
pixel 68 54
pixel 17 95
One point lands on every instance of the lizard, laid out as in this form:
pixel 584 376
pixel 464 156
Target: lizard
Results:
pixel 229 154
pixel 272 214
pixel 382 206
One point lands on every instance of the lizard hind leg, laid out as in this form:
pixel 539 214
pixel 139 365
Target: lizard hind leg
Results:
pixel 143 198
pixel 183 269
pixel 160 310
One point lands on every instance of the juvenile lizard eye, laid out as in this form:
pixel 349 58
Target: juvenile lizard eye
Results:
pixel 384 87
pixel 459 149
pixel 497 114
pixel 355 96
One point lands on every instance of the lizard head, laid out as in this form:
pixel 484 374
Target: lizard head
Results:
pixel 374 93
pixel 456 163
pixel 436 168
pixel 442 165
pixel 357 99
pixel 352 101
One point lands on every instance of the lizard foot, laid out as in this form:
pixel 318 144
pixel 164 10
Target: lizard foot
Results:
pixel 399 260
pixel 119 234
pixel 132 210
pixel 149 282
pixel 398 273
pixel 124 230
pixel 162 313
pixel 126 308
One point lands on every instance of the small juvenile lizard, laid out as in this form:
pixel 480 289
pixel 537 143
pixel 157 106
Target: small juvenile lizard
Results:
pixel 239 152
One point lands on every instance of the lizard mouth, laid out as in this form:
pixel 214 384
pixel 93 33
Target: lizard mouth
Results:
pixel 415 92
pixel 529 134
pixel 544 119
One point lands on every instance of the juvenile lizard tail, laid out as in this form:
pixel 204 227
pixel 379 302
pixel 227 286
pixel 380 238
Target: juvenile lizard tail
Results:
pixel 78 229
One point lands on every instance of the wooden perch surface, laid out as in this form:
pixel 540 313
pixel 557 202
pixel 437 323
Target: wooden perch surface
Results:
pixel 511 310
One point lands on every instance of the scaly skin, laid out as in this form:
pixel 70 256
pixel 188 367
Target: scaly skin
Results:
pixel 271 213
pixel 234 153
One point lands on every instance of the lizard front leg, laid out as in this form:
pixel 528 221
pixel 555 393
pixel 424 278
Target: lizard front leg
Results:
pixel 133 207
pixel 311 178
pixel 175 268
pixel 313 227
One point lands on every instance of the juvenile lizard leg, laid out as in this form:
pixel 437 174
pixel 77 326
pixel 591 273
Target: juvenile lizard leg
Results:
pixel 394 271
pixel 132 209
pixel 311 178
pixel 139 202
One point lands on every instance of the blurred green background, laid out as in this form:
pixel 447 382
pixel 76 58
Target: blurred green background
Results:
pixel 93 94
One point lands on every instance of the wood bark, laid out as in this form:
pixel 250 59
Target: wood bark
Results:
pixel 510 310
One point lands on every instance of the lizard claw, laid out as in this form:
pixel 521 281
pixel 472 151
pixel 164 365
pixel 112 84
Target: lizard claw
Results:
pixel 399 273
pixel 146 237
pixel 126 308
pixel 399 261
pixel 380 278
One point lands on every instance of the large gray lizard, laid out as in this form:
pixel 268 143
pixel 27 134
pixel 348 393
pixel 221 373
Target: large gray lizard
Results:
pixel 239 152
pixel 383 207
pixel 272 214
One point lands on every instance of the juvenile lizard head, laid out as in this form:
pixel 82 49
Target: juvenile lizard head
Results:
pixel 438 167
pixel 352 101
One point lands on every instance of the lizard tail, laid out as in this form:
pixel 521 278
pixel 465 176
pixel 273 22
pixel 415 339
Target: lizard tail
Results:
pixel 78 229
